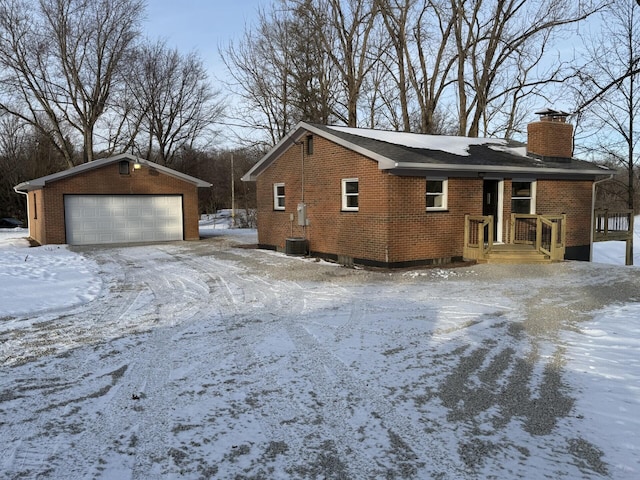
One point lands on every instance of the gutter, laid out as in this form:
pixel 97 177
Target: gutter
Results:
pixel 432 167
pixel 26 194
pixel 593 211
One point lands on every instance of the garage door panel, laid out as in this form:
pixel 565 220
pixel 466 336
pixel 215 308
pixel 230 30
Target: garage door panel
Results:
pixel 91 219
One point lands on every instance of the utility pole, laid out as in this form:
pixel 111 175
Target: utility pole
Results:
pixel 233 196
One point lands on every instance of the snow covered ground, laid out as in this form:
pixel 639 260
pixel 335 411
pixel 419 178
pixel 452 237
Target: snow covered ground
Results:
pixel 208 360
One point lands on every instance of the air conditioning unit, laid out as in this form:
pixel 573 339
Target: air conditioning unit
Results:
pixel 296 246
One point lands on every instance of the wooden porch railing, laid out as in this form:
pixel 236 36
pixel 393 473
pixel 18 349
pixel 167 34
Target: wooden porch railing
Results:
pixel 615 226
pixel 612 225
pixel 478 236
pixel 545 233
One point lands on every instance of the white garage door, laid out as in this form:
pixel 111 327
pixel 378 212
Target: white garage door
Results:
pixel 91 219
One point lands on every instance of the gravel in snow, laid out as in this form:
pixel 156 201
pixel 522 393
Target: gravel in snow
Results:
pixel 204 360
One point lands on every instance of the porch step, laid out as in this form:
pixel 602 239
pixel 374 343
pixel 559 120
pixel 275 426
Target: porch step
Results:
pixel 515 254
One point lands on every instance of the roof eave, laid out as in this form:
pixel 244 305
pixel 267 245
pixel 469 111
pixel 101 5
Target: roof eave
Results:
pixel 493 169
pixel 42 181
pixel 278 149
pixel 295 135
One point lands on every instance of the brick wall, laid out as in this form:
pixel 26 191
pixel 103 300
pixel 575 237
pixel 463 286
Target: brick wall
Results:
pixel 572 197
pixel 108 181
pixel 550 139
pixel 392 226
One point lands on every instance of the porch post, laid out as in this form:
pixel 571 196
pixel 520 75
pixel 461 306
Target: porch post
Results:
pixel 629 250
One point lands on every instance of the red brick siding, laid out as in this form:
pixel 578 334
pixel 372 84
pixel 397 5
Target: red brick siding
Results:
pixel 360 234
pixel 572 197
pixel 550 139
pixel 418 234
pixel 392 224
pixel 386 228
pixel 108 181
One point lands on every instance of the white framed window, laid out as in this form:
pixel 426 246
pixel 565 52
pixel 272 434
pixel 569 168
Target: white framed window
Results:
pixel 350 193
pixel 523 196
pixel 278 196
pixel 436 193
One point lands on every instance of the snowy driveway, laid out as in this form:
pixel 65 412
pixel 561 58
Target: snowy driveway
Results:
pixel 204 360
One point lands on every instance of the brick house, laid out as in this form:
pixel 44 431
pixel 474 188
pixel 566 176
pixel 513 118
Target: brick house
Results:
pixel 120 199
pixel 396 199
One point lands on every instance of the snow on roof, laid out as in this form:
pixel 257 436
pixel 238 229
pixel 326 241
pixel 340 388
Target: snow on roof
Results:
pixel 450 144
pixel 520 150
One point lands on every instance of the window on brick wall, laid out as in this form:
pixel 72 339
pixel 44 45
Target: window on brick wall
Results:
pixel 278 196
pixel 523 196
pixel 124 167
pixel 310 145
pixel 436 194
pixel 350 194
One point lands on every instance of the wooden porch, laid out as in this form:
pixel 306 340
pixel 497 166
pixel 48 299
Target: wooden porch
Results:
pixel 608 226
pixel 531 239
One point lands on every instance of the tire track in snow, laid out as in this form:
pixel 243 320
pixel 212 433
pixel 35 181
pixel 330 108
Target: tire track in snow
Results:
pixel 331 379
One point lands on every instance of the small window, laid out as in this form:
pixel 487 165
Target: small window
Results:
pixel 350 194
pixel 35 206
pixel 278 196
pixel 523 197
pixel 124 167
pixel 436 194
pixel 310 145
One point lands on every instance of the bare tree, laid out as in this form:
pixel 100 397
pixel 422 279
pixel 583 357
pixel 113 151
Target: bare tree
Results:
pixel 346 40
pixel 281 72
pixel 259 66
pixel 24 154
pixel 176 102
pixel 61 60
pixel 395 15
pixel 611 58
pixel 493 38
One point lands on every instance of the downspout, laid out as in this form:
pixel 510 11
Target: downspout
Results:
pixel 593 211
pixel 304 226
pixel 26 194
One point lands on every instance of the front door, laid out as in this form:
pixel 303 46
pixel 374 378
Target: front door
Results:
pixel 490 203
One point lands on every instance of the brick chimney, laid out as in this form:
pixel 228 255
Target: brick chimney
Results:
pixel 550 138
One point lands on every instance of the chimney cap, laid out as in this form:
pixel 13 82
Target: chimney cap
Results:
pixel 549 112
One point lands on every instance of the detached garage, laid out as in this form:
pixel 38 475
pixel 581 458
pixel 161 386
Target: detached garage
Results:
pixel 120 199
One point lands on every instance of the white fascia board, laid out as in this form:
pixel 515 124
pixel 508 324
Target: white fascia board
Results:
pixel 165 170
pixel 42 181
pixel 494 168
pixel 295 135
pixel 277 150
pixel 384 163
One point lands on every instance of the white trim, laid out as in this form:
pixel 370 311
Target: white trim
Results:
pixel 532 193
pixel 276 197
pixel 42 181
pixel 534 196
pixel 444 194
pixel 345 195
pixel 499 220
pixel 386 163
pixel 495 169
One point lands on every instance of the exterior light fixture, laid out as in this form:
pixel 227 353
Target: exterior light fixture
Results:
pixel 137 166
